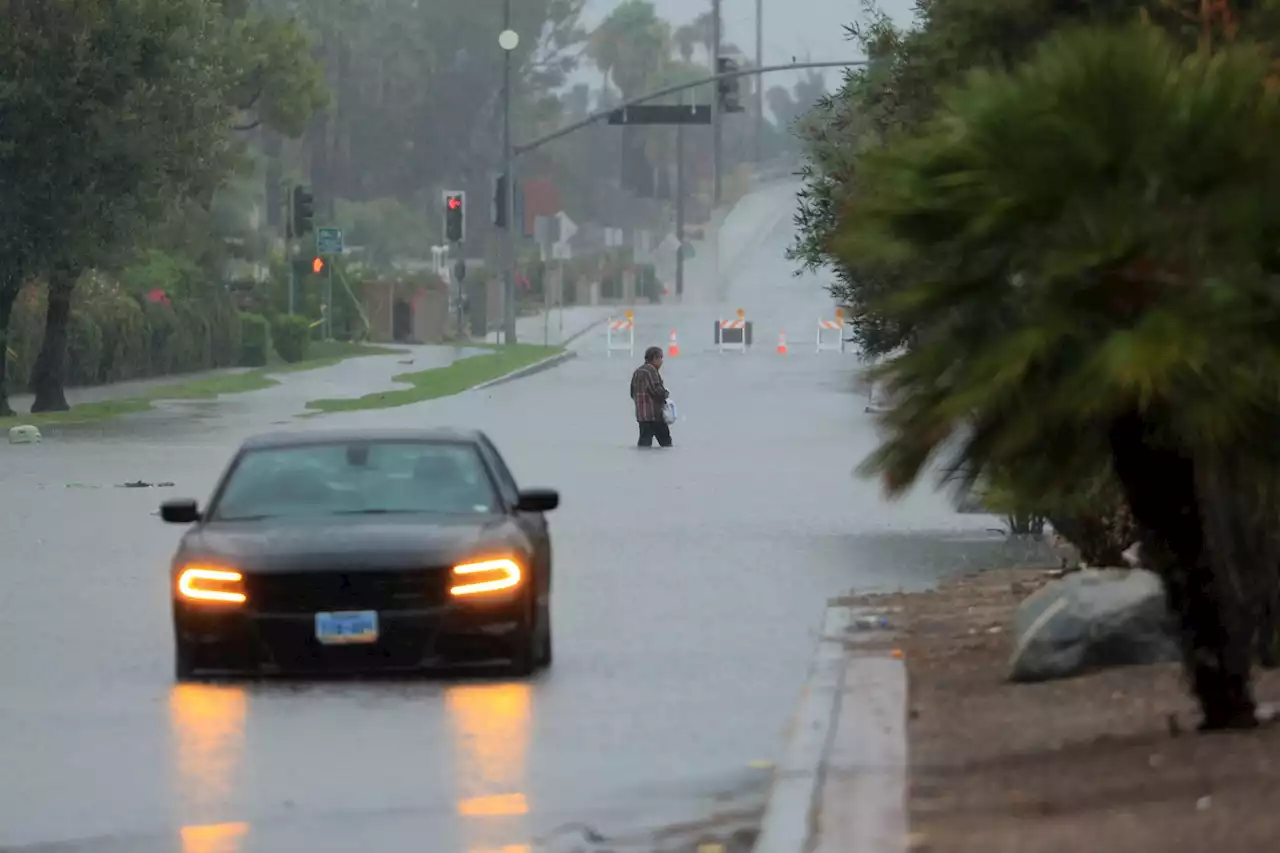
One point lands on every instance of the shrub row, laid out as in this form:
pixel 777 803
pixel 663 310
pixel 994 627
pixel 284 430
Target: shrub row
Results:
pixel 115 336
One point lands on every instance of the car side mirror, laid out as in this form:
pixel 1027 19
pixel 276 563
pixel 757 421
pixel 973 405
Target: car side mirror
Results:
pixel 180 511
pixel 538 500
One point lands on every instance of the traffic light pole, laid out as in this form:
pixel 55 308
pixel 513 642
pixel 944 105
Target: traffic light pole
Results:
pixel 288 249
pixel 680 207
pixel 328 302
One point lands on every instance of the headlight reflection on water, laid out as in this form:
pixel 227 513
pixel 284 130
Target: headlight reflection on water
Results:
pixel 207 723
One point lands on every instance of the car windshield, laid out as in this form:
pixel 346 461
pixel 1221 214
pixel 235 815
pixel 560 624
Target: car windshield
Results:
pixel 370 477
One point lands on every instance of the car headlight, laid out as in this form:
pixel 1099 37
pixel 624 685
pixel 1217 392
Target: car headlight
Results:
pixel 211 585
pixel 485 576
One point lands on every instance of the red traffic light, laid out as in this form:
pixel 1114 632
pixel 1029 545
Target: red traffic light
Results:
pixel 455 202
pixel 317 265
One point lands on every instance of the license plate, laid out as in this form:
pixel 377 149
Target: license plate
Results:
pixel 345 627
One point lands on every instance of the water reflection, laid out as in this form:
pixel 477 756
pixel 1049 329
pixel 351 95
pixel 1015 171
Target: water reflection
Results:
pixel 490 731
pixel 214 838
pixel 207 723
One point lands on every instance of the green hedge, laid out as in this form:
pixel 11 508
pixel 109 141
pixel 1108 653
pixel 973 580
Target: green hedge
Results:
pixel 292 336
pixel 113 335
pixel 255 340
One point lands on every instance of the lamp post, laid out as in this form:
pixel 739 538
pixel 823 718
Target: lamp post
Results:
pixel 508 40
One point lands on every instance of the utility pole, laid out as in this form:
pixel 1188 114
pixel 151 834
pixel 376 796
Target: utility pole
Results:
pixel 715 105
pixel 508 40
pixel 680 206
pixel 759 80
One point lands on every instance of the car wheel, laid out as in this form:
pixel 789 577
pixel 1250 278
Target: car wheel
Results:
pixel 544 654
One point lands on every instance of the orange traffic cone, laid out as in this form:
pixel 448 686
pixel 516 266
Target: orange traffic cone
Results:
pixel 673 348
pixel 782 343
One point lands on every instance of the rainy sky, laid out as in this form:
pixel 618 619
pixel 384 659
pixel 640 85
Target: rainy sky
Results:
pixel 812 29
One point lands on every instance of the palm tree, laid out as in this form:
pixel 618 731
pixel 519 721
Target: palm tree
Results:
pixel 1092 240
pixel 687 38
pixel 631 45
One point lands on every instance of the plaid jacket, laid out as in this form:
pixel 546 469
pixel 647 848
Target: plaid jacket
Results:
pixel 648 392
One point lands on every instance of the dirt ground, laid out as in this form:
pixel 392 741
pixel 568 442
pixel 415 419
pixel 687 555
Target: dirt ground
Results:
pixel 1106 763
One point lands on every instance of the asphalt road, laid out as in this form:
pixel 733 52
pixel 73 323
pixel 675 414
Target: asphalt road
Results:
pixel 690 583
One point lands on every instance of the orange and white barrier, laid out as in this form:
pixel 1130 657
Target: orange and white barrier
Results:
pixel 740 326
pixel 673 346
pixel 782 343
pixel 621 335
pixel 836 325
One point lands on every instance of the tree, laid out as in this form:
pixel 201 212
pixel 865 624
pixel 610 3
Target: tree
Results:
pixel 1124 317
pixel 631 46
pixel 113 112
pixel 900 86
pixel 415 94
pixel 899 89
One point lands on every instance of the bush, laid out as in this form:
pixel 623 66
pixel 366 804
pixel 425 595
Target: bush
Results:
pixel 122 329
pixel 255 340
pixel 292 335
pixel 127 332
pixel 84 348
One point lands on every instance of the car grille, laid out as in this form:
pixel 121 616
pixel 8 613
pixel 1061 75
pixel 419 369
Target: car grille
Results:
pixel 308 592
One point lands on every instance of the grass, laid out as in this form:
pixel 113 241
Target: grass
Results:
pixel 321 354
pixel 438 382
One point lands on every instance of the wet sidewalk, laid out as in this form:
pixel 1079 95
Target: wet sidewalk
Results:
pixel 558 326
pixel 21 403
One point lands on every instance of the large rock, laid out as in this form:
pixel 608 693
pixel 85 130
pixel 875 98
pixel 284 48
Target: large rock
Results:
pixel 1089 620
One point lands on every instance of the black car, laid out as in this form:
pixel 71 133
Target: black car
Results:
pixel 362 552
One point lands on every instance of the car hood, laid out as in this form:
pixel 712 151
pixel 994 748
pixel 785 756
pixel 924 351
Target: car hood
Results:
pixel 352 543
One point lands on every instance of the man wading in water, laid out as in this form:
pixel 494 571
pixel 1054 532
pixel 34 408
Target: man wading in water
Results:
pixel 650 395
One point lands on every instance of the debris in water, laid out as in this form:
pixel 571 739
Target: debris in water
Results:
pixel 24 434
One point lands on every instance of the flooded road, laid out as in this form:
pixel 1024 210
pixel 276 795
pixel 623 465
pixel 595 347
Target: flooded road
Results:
pixel 689 588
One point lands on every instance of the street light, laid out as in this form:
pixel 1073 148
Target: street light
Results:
pixel 508 40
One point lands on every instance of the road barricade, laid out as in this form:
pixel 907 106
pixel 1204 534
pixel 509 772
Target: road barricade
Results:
pixel 621 335
pixel 734 334
pixel 836 325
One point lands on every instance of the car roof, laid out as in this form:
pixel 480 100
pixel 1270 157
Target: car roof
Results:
pixel 307 438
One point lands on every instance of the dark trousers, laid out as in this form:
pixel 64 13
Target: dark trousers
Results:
pixel 649 430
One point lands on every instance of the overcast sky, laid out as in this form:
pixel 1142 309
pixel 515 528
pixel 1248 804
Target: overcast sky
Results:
pixel 805 29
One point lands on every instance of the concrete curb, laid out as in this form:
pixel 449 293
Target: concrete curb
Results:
pixel 523 372
pixel 582 332
pixel 841 785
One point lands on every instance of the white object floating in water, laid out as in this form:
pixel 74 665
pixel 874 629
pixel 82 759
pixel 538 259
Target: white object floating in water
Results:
pixel 25 434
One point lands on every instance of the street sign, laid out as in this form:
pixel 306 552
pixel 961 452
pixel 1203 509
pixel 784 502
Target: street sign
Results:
pixel 567 227
pixel 328 241
pixel 661 114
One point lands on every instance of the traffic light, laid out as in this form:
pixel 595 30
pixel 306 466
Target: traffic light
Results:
pixel 455 216
pixel 307 266
pixel 500 201
pixel 303 211
pixel 728 90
